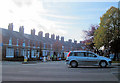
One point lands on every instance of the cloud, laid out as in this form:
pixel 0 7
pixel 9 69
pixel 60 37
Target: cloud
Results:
pixel 81 0
pixel 29 13
pixel 20 3
pixel 33 14
pixel 62 17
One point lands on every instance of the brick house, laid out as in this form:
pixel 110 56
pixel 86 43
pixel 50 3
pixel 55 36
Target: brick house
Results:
pixel 17 44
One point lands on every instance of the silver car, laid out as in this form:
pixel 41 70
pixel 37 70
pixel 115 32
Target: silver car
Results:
pixel 75 58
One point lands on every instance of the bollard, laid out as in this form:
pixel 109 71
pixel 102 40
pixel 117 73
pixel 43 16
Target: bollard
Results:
pixel 44 59
pixel 25 59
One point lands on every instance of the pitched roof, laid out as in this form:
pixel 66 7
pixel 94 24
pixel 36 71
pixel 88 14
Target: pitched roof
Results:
pixel 17 35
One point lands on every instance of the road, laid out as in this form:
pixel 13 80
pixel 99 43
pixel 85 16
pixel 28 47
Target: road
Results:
pixel 56 71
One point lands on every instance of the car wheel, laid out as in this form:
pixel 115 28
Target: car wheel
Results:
pixel 74 64
pixel 103 64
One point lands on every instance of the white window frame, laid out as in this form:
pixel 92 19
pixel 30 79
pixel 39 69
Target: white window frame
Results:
pixel 9 52
pixel 33 53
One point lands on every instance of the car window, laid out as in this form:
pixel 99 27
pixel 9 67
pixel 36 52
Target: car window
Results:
pixel 71 54
pixel 90 55
pixel 81 54
pixel 85 54
pixel 75 54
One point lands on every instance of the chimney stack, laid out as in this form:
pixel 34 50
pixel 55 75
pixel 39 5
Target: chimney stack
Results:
pixel 75 41
pixel 47 35
pixel 52 36
pixel 62 39
pixel 21 29
pixel 10 26
pixel 32 31
pixel 70 40
pixel 57 37
pixel 40 34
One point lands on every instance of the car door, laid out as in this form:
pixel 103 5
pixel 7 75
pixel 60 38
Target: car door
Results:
pixel 92 59
pixel 80 58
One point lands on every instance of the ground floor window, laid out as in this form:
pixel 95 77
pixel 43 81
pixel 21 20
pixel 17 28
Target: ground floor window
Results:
pixel 23 52
pixel 38 53
pixel 28 53
pixel 33 53
pixel 44 52
pixel 9 52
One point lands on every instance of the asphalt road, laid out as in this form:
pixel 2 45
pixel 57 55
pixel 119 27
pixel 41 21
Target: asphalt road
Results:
pixel 56 71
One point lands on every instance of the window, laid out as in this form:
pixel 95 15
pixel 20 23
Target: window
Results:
pixel 75 54
pixel 23 52
pixel 71 54
pixel 80 54
pixel 33 53
pixel 90 55
pixel 28 53
pixel 44 45
pixel 9 52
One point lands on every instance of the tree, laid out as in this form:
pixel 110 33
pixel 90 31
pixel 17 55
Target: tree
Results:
pixel 108 32
pixel 115 47
pixel 89 36
pixel 57 46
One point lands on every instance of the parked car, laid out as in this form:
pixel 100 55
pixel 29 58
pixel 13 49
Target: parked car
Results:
pixel 76 58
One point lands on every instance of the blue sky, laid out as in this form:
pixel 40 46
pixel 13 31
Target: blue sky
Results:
pixel 67 19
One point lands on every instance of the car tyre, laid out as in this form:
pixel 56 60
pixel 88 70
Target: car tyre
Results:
pixel 74 64
pixel 103 64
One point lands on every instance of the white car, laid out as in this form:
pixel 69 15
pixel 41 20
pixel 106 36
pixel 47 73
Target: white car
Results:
pixel 76 58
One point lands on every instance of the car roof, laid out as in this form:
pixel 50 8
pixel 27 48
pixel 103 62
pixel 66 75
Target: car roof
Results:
pixel 80 51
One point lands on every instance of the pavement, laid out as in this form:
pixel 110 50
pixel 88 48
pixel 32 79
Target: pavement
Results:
pixel 57 71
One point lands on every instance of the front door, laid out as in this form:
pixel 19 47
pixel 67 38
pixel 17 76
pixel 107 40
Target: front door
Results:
pixel 91 59
pixel 80 56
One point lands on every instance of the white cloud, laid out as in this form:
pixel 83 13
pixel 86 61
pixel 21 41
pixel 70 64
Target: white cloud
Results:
pixel 63 17
pixel 81 0
pixel 31 13
pixel 27 13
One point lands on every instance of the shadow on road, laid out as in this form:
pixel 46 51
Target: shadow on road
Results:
pixel 94 67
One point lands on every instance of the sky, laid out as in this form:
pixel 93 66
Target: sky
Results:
pixel 66 18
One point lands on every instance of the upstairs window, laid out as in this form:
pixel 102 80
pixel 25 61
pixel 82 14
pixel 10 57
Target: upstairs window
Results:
pixel 10 41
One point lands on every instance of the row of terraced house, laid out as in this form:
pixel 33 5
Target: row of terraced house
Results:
pixel 18 44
